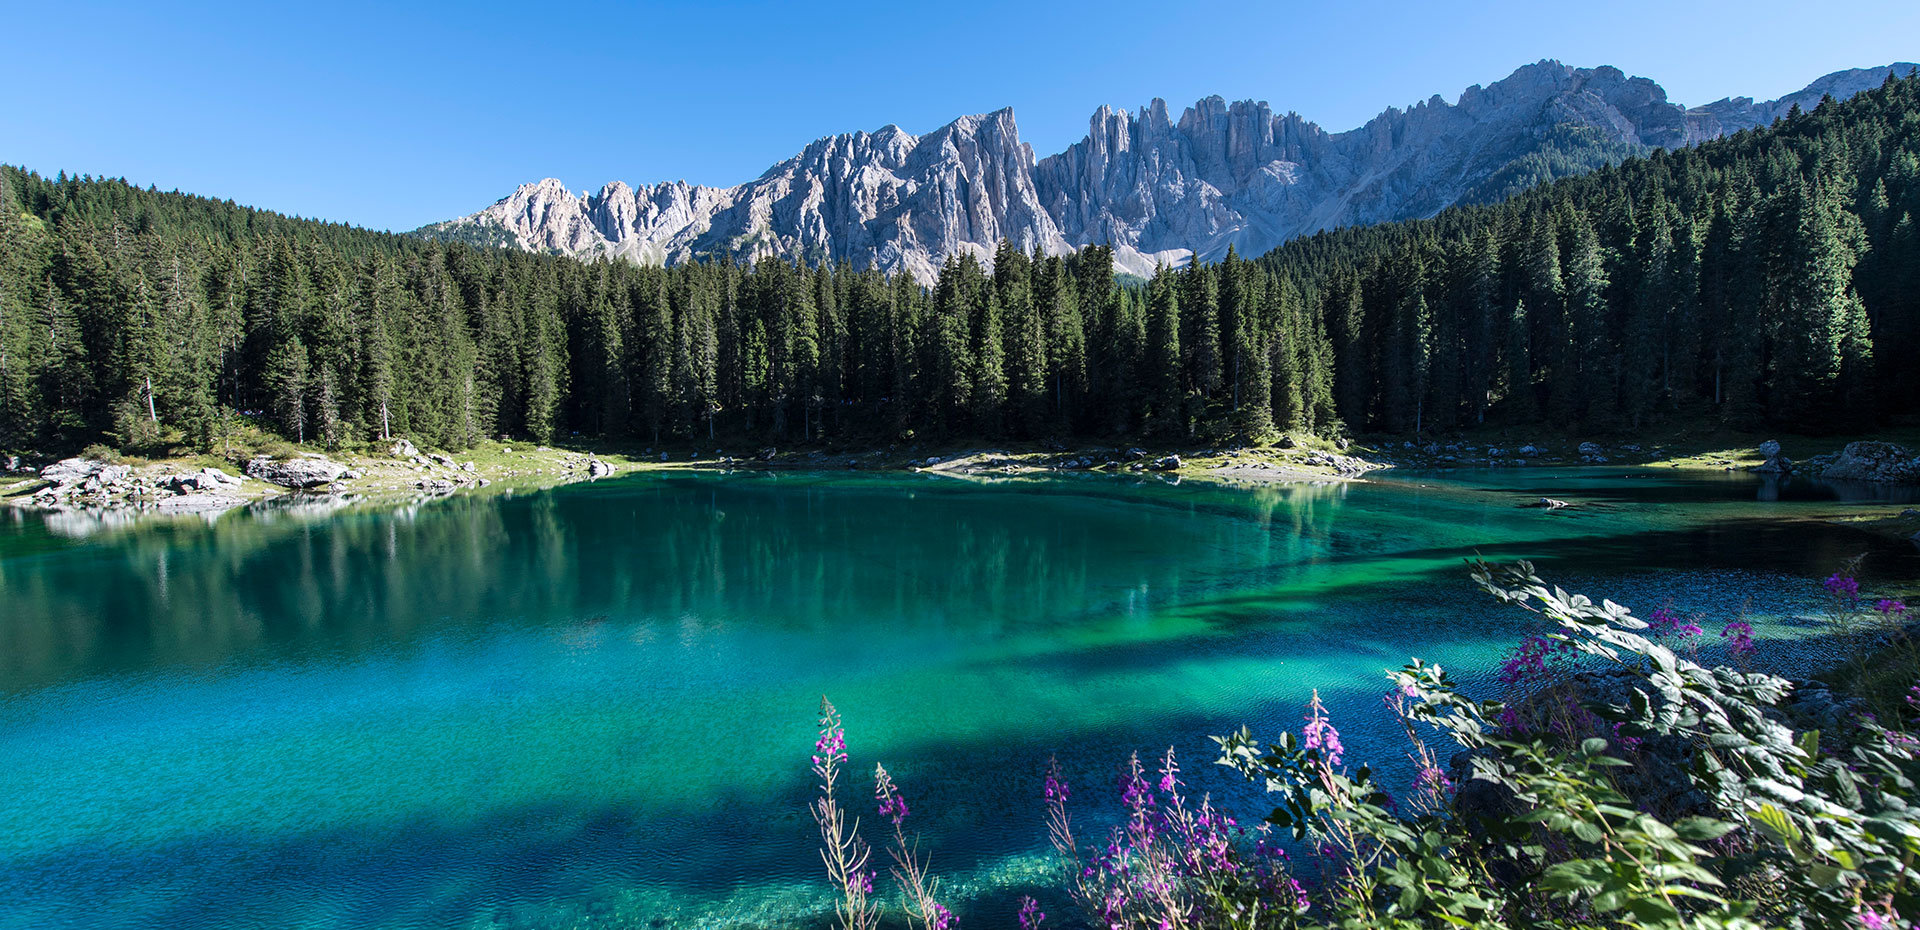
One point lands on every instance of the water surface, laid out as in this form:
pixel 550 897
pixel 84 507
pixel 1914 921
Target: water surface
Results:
pixel 592 705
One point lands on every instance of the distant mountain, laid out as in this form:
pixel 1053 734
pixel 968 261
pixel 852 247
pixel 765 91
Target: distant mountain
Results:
pixel 1157 189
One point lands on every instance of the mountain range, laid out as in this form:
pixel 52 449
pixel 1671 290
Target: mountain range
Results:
pixel 1156 188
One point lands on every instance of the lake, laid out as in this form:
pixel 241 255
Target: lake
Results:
pixel 593 705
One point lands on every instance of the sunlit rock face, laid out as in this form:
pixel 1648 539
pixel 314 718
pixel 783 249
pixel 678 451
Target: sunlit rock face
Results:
pixel 1158 189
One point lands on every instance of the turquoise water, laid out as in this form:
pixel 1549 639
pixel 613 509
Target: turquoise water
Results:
pixel 593 705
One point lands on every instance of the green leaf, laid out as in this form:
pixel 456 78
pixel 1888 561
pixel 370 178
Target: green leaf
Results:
pixel 1703 828
pixel 1775 823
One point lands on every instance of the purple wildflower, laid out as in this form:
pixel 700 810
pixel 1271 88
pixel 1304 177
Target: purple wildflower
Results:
pixel 1133 790
pixel 831 748
pixel 1667 623
pixel 892 805
pixel 1509 720
pixel 1434 779
pixel 1300 901
pixel 940 919
pixel 1319 732
pixel 1031 916
pixel 1739 637
pixel 1874 920
pixel 1842 585
pixel 1529 660
pixel 1889 607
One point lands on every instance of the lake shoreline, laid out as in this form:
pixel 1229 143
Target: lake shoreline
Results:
pixel 494 468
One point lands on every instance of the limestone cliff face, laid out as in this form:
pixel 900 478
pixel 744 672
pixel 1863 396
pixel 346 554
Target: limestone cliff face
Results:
pixel 1157 189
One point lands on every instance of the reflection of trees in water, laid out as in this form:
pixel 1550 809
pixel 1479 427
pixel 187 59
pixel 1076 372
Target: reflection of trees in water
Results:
pixel 702 553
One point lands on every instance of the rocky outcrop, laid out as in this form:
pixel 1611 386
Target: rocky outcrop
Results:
pixel 300 472
pixel 1776 463
pixel 77 472
pixel 1875 461
pixel 1159 189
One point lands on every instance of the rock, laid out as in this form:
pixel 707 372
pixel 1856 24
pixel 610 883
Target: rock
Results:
pixel 77 471
pixel 663 456
pixel 467 467
pixel 1531 451
pixel 1591 449
pixel 440 459
pixel 598 469
pixel 296 473
pixel 1776 463
pixel 221 477
pixel 1549 503
pixel 1871 461
pixel 1165 463
pixel 403 449
pixel 11 462
pixel 1152 182
pixel 1286 441
pixel 932 460
pixel 349 475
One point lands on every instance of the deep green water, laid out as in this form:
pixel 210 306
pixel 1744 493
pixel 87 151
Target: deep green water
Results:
pixel 593 705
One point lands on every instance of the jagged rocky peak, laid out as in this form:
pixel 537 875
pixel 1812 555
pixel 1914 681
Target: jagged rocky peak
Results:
pixel 1159 190
pixel 1733 114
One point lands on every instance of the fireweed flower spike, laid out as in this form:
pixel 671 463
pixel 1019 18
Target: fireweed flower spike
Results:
pixel 892 805
pixel 1843 586
pixel 1667 623
pixel 841 848
pixel 1031 916
pixel 909 865
pixel 1319 732
pixel 1739 637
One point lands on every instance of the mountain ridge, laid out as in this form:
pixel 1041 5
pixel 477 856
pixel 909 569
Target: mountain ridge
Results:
pixel 1224 175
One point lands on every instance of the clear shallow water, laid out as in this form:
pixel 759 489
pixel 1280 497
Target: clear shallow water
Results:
pixel 592 706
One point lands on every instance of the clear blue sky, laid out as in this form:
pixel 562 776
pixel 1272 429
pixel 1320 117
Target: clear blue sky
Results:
pixel 391 116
